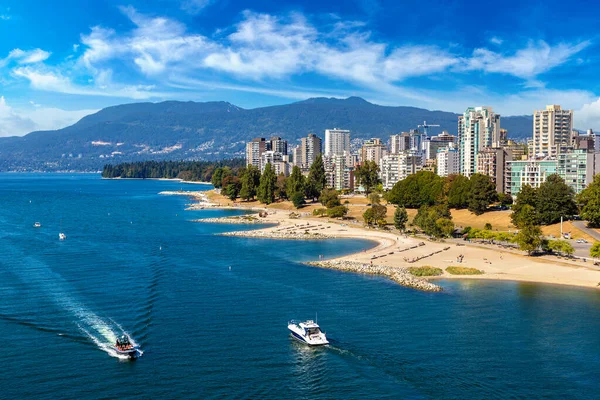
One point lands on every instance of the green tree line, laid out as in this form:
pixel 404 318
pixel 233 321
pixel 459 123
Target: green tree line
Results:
pixel 198 171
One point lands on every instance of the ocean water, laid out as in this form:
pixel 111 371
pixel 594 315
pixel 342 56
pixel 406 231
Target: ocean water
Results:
pixel 210 312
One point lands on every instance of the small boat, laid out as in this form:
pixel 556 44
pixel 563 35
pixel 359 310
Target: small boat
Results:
pixel 307 332
pixel 124 347
pixel 62 236
pixel 37 225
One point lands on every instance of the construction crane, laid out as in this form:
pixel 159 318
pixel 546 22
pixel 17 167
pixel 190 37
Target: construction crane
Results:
pixel 425 128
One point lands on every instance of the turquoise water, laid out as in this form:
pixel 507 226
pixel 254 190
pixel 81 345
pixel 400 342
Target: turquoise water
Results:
pixel 133 262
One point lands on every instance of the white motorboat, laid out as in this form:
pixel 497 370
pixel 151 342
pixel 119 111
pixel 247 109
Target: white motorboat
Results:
pixel 307 332
pixel 62 236
pixel 37 225
pixel 124 347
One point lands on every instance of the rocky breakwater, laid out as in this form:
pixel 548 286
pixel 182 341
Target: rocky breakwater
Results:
pixel 242 220
pixel 274 234
pixel 397 274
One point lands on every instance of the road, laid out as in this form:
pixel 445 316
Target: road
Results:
pixel 582 226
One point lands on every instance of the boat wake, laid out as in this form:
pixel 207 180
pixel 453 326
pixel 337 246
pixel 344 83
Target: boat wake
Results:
pixel 51 285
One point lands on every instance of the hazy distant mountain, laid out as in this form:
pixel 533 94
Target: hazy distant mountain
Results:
pixel 213 130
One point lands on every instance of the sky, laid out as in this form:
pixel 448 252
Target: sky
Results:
pixel 64 59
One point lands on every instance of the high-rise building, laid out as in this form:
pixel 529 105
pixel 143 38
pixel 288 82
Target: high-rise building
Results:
pixel 551 131
pixel 396 167
pixel 372 150
pixel 337 141
pixel 308 150
pixel 343 174
pixel 311 148
pixel 478 128
pixel 279 145
pixel 492 161
pixel 433 144
pixel 271 157
pixel 528 172
pixel 255 150
pixel 578 167
pixel 448 161
pixel 400 142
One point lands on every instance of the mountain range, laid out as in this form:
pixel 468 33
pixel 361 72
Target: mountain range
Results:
pixel 175 130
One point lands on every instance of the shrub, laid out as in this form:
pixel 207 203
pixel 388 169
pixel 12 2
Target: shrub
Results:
pixel 488 226
pixel 337 212
pixel 425 270
pixel 319 212
pixel 463 271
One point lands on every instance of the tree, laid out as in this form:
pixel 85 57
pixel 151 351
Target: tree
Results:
pixel 249 180
pixel 561 246
pixel 367 175
pixel 432 220
pixel 422 188
pixel 298 199
pixel 445 226
pixel 337 212
pixel 505 199
pixel 375 215
pixel 529 238
pixel 295 183
pixel 310 190
pixel 555 199
pixel 374 198
pixel 482 192
pixel 316 178
pixel 217 178
pixel 595 250
pixel 400 218
pixel 458 187
pixel 330 198
pixel 589 202
pixel 232 190
pixel 527 217
pixel 266 188
pixel 280 187
pixel 488 226
pixel 526 197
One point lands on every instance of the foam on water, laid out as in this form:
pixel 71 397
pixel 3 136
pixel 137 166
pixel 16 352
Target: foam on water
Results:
pixel 101 332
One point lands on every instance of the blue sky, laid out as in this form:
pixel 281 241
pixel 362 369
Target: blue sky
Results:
pixel 64 59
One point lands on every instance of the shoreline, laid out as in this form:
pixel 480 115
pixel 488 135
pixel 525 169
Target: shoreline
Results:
pixel 395 250
pixel 159 179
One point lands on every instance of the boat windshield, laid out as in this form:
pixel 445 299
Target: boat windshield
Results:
pixel 123 341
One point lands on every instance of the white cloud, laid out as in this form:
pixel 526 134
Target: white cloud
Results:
pixel 16 122
pixel 48 80
pixel 195 6
pixel 25 57
pixel 589 116
pixel 496 40
pixel 527 63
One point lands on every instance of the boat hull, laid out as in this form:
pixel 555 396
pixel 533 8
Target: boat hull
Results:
pixel 310 342
pixel 133 353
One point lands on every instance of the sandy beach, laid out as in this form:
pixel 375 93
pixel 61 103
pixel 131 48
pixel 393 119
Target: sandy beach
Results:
pixel 397 251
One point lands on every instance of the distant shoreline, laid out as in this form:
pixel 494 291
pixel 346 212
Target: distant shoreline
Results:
pixel 159 179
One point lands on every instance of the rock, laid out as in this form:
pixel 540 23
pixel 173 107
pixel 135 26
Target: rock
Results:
pixel 397 274
pixel 245 220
